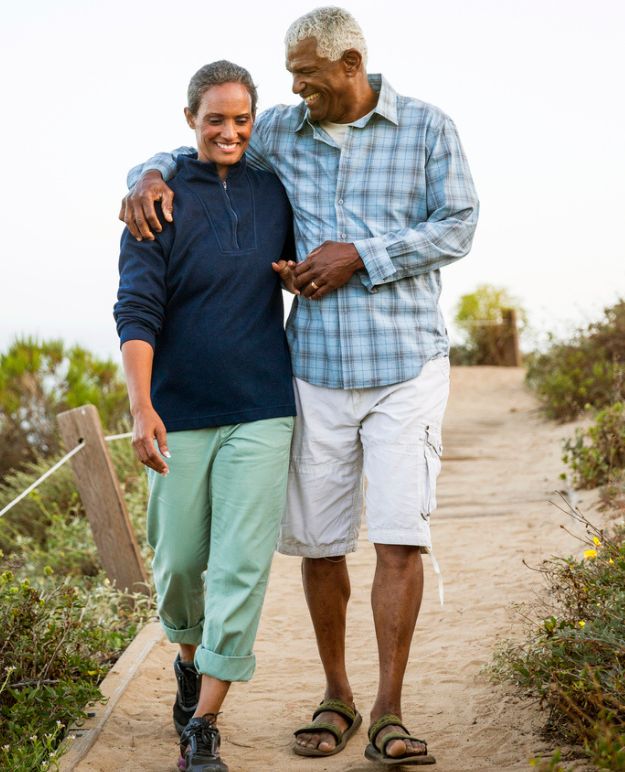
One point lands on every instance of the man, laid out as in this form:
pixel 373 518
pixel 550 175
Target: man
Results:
pixel 383 198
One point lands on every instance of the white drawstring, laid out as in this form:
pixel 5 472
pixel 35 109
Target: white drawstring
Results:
pixel 439 577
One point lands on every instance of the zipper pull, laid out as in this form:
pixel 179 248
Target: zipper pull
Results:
pixel 225 184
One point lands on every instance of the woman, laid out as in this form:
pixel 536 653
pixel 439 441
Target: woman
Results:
pixel 199 315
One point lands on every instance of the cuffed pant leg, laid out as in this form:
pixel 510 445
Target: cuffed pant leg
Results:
pixel 179 533
pixel 248 490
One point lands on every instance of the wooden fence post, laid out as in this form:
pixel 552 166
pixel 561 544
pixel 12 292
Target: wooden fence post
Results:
pixel 102 498
pixel 511 352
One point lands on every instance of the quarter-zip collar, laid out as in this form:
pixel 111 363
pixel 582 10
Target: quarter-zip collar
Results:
pixel 194 170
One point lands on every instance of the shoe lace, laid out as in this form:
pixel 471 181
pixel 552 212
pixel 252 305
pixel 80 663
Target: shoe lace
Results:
pixel 205 733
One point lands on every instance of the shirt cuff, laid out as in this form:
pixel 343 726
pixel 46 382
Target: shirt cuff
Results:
pixel 166 168
pixel 378 264
pixel 136 332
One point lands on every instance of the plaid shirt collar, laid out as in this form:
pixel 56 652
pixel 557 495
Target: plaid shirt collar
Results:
pixel 386 106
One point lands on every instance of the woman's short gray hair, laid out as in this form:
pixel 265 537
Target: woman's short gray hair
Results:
pixel 216 74
pixel 334 29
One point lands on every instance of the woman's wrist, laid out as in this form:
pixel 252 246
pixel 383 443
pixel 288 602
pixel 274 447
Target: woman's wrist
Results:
pixel 140 407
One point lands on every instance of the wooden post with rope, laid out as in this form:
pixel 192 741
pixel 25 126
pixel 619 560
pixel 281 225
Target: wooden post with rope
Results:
pixel 103 500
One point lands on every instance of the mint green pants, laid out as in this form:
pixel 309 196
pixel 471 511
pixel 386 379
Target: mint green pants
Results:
pixel 213 525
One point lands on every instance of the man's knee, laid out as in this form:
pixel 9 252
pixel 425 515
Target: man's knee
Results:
pixel 398 557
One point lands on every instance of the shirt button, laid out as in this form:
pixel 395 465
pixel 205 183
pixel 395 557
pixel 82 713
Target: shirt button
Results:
pixel 340 202
pixel 343 236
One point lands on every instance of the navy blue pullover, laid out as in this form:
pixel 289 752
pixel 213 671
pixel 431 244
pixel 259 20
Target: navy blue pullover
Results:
pixel 203 294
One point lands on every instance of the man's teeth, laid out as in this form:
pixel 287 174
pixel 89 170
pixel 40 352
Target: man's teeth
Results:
pixel 225 146
pixel 311 98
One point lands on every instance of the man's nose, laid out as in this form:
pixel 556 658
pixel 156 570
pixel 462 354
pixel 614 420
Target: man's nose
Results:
pixel 298 85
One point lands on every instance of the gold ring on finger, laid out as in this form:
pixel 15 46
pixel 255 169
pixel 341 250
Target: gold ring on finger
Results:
pixel 314 286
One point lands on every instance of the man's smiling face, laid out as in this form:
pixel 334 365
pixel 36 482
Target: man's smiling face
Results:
pixel 322 84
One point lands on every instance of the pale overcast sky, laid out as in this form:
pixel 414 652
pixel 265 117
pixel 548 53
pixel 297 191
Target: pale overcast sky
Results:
pixel 535 88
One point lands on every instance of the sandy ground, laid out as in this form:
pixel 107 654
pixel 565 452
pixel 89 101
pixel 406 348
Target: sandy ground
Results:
pixel 502 465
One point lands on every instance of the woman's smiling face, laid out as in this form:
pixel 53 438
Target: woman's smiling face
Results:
pixel 222 124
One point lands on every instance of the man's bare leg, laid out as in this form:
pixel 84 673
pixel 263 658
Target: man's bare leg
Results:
pixel 327 590
pixel 396 598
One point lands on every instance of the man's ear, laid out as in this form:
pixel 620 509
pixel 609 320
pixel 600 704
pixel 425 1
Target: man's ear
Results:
pixel 352 61
pixel 190 118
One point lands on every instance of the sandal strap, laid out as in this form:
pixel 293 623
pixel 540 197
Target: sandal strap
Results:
pixel 336 706
pixel 388 719
pixel 321 726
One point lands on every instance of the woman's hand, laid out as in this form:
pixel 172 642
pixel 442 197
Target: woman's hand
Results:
pixel 286 270
pixel 148 427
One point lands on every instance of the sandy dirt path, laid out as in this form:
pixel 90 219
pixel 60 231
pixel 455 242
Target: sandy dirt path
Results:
pixel 501 466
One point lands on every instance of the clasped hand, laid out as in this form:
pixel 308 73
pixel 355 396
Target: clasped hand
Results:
pixel 326 268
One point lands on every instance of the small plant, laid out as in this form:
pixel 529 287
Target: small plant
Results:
pixel 597 455
pixel 573 659
pixel 55 647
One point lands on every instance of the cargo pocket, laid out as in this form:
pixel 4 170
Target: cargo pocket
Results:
pixel 433 452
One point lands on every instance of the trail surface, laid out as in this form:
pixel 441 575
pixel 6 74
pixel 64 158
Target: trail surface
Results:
pixel 501 467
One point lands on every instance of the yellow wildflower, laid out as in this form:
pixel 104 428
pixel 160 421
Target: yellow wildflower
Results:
pixel 596 541
pixel 611 562
pixel 590 554
pixel 581 623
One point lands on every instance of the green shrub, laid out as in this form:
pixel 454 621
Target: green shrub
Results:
pixel 597 455
pixel 57 641
pixel 38 380
pixel 589 369
pixel 574 658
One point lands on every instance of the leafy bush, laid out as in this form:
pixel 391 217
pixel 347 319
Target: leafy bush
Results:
pixel 61 623
pixel 481 317
pixel 38 380
pixel 57 643
pixel 597 454
pixel 574 658
pixel 589 369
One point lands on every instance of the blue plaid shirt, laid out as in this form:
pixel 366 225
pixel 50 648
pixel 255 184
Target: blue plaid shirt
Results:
pixel 401 191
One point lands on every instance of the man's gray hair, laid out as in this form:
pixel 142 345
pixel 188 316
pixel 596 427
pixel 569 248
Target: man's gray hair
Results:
pixel 334 29
pixel 216 74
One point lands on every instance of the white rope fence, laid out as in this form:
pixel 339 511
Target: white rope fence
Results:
pixel 58 465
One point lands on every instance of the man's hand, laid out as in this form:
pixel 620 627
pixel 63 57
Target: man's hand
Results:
pixel 287 273
pixel 137 209
pixel 327 268
pixel 148 426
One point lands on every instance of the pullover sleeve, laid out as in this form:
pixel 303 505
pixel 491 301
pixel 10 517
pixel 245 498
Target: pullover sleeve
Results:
pixel 142 295
pixel 447 234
